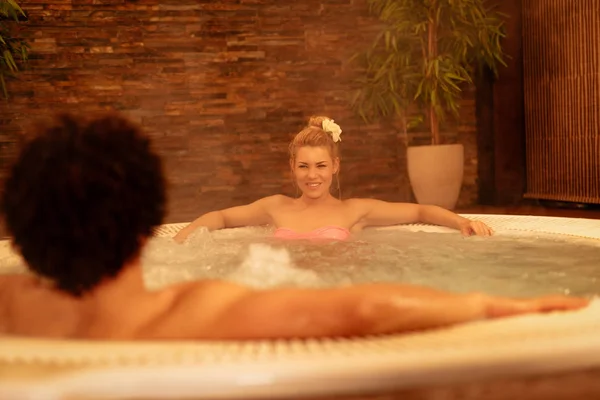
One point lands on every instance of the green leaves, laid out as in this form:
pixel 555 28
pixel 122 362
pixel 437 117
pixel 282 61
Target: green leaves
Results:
pixel 10 9
pixel 13 51
pixel 425 53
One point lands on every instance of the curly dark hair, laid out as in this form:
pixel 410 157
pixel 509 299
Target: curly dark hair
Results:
pixel 81 199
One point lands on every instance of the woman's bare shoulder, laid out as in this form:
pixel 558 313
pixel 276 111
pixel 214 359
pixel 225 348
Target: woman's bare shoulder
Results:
pixel 358 202
pixel 276 200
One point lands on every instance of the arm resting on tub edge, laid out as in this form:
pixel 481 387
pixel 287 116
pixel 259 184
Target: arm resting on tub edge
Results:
pixel 253 214
pixel 221 310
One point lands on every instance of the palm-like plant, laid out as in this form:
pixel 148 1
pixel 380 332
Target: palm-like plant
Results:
pixel 425 53
pixel 13 51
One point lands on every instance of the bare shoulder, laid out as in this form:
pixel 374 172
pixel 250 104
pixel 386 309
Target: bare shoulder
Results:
pixel 360 204
pixel 194 307
pixel 275 201
pixel 10 286
pixel 359 208
pixel 219 290
pixel 368 203
pixel 11 282
pixel 356 201
pixel 25 285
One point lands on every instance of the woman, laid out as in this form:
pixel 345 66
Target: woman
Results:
pixel 315 162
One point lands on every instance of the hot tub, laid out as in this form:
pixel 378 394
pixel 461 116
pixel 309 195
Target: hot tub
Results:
pixel 469 354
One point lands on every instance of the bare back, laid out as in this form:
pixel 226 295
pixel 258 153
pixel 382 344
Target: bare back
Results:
pixel 121 309
pixel 30 307
pixel 195 310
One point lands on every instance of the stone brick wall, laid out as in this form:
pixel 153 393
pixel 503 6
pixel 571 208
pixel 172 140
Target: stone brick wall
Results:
pixel 221 85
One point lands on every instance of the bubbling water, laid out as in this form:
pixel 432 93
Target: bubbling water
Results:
pixel 506 264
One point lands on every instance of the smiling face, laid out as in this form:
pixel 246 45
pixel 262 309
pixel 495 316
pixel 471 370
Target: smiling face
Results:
pixel 313 170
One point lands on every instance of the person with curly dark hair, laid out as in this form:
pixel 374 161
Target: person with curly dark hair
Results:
pixel 80 203
pixel 82 198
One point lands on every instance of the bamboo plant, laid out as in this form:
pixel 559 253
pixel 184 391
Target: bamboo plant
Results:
pixel 424 55
pixel 13 51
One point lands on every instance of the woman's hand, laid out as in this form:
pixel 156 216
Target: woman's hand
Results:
pixel 182 235
pixel 470 228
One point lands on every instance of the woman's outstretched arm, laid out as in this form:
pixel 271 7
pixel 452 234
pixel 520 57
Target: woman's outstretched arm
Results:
pixel 253 214
pixel 382 213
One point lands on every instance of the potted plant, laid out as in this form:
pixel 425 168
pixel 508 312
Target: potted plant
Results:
pixel 414 74
pixel 13 50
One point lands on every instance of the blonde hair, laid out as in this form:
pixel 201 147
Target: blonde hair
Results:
pixel 313 135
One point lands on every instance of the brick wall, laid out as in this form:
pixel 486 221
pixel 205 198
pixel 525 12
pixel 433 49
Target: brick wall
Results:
pixel 221 85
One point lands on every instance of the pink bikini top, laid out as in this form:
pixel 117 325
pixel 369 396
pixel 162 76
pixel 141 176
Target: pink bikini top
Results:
pixel 326 232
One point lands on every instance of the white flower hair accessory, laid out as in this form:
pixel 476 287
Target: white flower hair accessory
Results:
pixel 329 126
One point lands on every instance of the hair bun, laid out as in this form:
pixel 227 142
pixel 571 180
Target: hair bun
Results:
pixel 317 121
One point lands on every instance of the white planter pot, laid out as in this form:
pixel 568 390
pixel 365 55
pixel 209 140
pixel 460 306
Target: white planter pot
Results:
pixel 436 173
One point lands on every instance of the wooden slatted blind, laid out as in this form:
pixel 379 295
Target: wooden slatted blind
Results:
pixel 561 53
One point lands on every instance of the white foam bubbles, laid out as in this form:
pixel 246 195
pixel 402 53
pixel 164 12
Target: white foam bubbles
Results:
pixel 267 267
